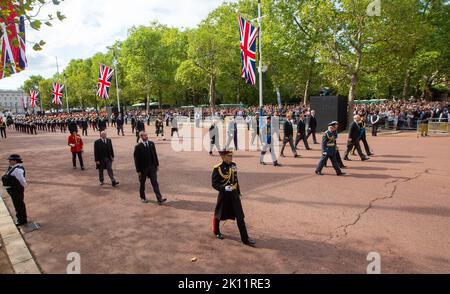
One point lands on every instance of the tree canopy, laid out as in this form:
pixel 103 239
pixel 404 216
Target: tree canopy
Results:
pixel 402 51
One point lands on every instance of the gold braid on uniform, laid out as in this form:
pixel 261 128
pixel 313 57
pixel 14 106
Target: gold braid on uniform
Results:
pixel 228 178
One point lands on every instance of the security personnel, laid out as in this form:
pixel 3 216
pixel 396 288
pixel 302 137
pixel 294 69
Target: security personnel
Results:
pixel 14 181
pixel 329 150
pixel 229 207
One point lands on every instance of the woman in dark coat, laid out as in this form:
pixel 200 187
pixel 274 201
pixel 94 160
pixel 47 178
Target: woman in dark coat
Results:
pixel 229 207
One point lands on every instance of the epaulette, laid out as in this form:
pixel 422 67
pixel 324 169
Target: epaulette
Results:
pixel 218 165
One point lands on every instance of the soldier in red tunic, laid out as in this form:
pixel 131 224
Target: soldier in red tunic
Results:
pixel 76 147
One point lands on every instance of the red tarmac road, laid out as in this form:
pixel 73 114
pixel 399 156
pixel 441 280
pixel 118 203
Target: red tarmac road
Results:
pixel 397 204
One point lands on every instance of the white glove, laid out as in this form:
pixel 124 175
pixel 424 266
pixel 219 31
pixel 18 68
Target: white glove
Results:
pixel 228 188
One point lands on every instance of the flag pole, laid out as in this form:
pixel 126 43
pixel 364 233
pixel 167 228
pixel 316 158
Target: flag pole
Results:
pixel 57 71
pixel 65 92
pixel 117 83
pixel 260 67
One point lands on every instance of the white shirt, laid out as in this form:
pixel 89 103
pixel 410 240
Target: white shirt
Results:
pixel 19 175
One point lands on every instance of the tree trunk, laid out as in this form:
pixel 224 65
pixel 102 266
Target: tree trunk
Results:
pixel 353 85
pixel 406 84
pixel 308 82
pixel 212 91
pixel 160 99
pixel 306 96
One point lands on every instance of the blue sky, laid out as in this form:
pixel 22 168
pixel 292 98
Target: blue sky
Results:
pixel 92 25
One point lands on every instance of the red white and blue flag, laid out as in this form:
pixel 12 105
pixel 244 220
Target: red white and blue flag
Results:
pixel 12 43
pixel 248 33
pixel 33 98
pixel 57 93
pixel 104 81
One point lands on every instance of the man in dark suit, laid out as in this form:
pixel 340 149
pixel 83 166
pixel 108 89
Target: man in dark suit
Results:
pixel 301 132
pixel 289 136
pixel 84 126
pixel 140 127
pixel 147 166
pixel 120 123
pixel 312 126
pixel 353 139
pixel 104 157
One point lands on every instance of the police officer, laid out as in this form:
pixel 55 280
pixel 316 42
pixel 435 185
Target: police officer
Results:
pixel 329 150
pixel 14 181
pixel 229 207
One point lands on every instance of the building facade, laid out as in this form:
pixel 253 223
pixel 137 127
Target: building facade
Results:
pixel 12 101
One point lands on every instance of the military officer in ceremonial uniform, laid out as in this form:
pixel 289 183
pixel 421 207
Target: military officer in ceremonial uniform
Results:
pixel 329 150
pixel 229 207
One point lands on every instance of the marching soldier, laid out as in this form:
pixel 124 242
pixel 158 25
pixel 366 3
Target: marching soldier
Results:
pixel 329 150
pixel 229 207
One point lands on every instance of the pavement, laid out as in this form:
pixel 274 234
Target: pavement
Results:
pixel 396 205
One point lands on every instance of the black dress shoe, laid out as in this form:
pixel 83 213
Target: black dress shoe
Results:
pixel 250 243
pixel 365 159
pixel 277 164
pixel 21 223
pixel 145 201
pixel 262 163
pixel 297 156
pixel 219 236
pixel 282 155
pixel 319 173
pixel 115 184
pixel 101 183
pixel 160 202
pixel 341 174
pixel 83 168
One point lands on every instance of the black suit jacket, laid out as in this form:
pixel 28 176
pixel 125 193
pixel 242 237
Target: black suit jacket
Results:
pixel 312 122
pixel 145 158
pixel 301 127
pixel 102 150
pixel 353 133
pixel 288 129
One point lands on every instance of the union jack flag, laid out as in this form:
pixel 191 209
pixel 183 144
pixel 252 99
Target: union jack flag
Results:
pixel 104 81
pixel 33 98
pixel 57 93
pixel 12 43
pixel 248 50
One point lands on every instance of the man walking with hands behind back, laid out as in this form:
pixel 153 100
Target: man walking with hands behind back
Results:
pixel 147 166
pixel 104 157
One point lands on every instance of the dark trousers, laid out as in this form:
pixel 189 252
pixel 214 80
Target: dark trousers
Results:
pixel 84 133
pixel 3 132
pixel 173 131
pixel 313 133
pixel 350 146
pixel 299 138
pixel 120 129
pixel 17 196
pixel 241 226
pixel 338 159
pixel 366 145
pixel 106 164
pixel 375 130
pixel 289 140
pixel 152 174
pixel 80 158
pixel 324 159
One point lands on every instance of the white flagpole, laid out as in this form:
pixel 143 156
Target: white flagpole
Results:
pixel 65 92
pixel 117 83
pixel 261 102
